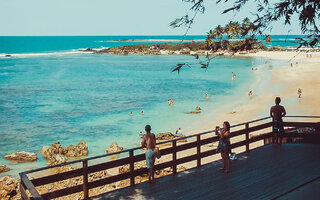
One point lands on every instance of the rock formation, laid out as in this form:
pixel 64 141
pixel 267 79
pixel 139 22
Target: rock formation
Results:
pixel 169 136
pixel 57 159
pixel 78 150
pixel 114 148
pixel 56 154
pixel 22 156
pixel 4 168
pixel 8 188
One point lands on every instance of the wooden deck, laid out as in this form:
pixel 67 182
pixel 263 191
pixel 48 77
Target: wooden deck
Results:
pixel 269 172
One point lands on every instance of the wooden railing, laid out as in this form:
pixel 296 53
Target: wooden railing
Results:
pixel 30 185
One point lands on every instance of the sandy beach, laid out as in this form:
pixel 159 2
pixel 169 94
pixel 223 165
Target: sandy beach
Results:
pixel 284 83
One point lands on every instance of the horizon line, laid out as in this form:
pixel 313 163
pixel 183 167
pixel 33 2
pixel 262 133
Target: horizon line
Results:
pixel 114 35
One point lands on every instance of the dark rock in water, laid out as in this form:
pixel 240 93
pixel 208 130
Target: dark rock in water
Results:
pixel 88 49
pixel 8 55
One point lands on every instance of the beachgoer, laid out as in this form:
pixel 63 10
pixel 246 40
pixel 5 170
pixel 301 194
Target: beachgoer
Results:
pixel 250 94
pixel 179 131
pixel 141 135
pixel 277 112
pixel 299 93
pixel 207 96
pixel 170 102
pixel 291 64
pixel 198 108
pixel 142 113
pixel 149 141
pixel 224 145
pixel 130 113
pixel 233 76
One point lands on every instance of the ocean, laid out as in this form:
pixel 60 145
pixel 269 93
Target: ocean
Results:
pixel 50 91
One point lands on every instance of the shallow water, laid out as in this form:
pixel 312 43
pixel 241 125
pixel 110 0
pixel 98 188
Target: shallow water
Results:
pixel 73 97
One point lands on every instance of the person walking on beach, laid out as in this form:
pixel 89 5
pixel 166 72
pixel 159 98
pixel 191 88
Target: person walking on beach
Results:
pixel 277 112
pixel 224 145
pixel 149 141
pixel 299 93
pixel 207 96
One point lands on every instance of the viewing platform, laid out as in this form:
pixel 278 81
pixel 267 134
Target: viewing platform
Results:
pixel 262 170
pixel 269 172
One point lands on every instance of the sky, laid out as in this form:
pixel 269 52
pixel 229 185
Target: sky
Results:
pixel 115 17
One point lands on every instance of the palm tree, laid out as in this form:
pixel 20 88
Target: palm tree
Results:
pixel 209 38
pixel 233 29
pixel 246 27
pixel 218 32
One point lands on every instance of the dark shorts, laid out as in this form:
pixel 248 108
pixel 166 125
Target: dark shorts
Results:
pixel 224 146
pixel 278 125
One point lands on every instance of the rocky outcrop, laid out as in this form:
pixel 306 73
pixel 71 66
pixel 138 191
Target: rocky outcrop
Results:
pixel 8 188
pixel 22 156
pixel 57 159
pixel 56 154
pixel 78 150
pixel 277 48
pixel 4 168
pixel 169 136
pixel 49 151
pixel 114 148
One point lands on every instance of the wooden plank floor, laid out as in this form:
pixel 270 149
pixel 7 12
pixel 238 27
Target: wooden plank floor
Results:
pixel 263 173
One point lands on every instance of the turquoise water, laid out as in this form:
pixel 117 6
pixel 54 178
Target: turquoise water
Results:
pixel 50 95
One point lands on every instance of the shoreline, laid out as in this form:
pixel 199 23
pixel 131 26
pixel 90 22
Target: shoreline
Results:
pixel 288 79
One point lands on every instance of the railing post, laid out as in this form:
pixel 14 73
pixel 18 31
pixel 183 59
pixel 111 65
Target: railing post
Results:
pixel 85 179
pixel 23 192
pixel 247 137
pixel 174 156
pixel 198 151
pixel 131 168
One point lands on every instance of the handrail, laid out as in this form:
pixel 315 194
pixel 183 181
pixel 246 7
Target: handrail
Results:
pixel 164 142
pixel 131 159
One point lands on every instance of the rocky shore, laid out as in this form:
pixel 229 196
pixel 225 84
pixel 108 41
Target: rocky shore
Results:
pixel 224 48
pixel 57 154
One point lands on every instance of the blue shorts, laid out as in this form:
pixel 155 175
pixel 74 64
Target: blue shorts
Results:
pixel 150 158
pixel 278 125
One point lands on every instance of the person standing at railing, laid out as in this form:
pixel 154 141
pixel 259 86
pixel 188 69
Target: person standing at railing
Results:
pixel 224 145
pixel 149 141
pixel 277 112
